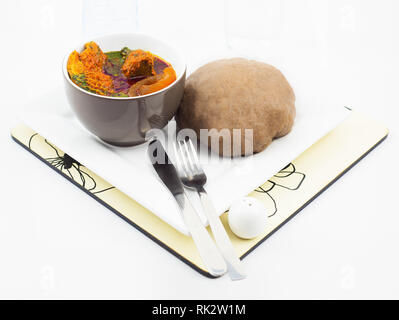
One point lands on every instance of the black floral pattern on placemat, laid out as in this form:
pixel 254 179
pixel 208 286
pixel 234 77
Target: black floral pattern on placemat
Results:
pixel 69 166
pixel 288 178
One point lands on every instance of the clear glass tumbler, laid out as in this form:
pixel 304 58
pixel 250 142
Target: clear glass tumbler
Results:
pixel 109 16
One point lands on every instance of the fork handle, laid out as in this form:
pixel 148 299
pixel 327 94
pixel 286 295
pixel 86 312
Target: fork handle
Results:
pixel 234 264
pixel 207 249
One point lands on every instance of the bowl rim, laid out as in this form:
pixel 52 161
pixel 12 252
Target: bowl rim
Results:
pixel 68 79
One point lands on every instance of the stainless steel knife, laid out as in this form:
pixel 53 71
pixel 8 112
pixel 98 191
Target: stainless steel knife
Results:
pixel 208 251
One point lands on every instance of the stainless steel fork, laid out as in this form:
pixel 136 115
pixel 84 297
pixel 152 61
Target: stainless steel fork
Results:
pixel 193 176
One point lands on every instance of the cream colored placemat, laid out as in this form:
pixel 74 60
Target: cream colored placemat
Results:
pixel 285 194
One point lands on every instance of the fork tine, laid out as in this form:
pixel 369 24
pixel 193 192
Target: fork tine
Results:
pixel 177 157
pixel 191 163
pixel 182 159
pixel 196 161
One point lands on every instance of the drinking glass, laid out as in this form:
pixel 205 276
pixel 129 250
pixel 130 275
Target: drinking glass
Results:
pixel 253 28
pixel 109 16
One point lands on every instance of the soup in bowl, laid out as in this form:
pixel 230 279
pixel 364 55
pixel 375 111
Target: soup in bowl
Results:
pixel 122 85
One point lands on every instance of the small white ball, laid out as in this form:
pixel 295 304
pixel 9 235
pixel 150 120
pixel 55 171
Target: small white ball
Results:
pixel 248 218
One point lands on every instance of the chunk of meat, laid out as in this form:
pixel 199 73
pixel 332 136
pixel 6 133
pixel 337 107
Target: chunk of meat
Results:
pixel 154 83
pixel 138 63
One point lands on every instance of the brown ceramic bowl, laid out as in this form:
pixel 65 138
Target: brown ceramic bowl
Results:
pixel 125 121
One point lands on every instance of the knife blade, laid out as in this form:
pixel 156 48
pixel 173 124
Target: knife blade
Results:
pixel 166 171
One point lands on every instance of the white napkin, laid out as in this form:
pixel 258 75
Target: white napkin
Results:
pixel 130 171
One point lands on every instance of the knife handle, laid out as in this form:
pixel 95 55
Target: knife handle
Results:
pixel 208 251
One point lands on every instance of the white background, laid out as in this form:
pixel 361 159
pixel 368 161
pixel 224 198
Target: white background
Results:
pixel 56 242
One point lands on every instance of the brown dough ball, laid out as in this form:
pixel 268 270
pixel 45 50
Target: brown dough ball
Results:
pixel 238 94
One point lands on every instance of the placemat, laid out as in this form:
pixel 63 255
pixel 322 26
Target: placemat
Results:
pixel 284 194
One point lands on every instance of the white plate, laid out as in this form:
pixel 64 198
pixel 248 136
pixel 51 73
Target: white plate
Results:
pixel 130 171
